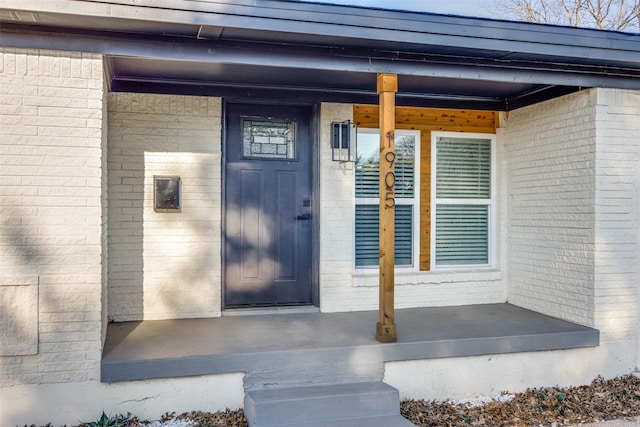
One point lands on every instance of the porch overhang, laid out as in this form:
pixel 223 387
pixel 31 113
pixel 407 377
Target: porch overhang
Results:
pixel 259 345
pixel 307 52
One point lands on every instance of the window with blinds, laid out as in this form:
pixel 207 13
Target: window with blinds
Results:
pixel 463 178
pixel 367 198
pixel 368 234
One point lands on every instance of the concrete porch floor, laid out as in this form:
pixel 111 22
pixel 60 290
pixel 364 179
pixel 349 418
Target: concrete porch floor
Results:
pixel 312 346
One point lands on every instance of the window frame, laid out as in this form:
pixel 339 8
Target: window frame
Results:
pixel 490 202
pixel 414 202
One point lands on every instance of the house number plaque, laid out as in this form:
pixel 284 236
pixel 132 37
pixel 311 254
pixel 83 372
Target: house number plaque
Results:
pixel 390 176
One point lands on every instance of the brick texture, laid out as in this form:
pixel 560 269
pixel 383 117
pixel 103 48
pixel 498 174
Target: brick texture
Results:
pixel 616 202
pixel 337 221
pixel 550 152
pixel 164 265
pixel 51 198
pixel 573 195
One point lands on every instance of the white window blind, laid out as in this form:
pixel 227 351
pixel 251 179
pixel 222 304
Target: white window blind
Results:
pixel 368 234
pixel 462 234
pixel 463 168
pixel 463 200
pixel 367 198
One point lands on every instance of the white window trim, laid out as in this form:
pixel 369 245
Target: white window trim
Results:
pixel 415 236
pixel 492 211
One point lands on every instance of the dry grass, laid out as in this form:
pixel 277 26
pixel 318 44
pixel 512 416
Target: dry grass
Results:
pixel 601 400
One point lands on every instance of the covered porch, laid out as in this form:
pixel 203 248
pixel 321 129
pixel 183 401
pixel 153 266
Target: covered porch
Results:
pixel 131 90
pixel 297 348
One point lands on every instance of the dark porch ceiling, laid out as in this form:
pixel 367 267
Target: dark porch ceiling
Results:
pixel 307 52
pixel 304 85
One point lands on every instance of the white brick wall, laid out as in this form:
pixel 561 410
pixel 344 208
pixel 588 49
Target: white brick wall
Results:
pixel 344 289
pixel 104 238
pixel 550 153
pixel 617 190
pixel 573 198
pixel 50 209
pixel 164 265
pixel 337 212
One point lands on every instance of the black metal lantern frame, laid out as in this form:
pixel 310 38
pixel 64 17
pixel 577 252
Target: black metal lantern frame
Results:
pixel 343 141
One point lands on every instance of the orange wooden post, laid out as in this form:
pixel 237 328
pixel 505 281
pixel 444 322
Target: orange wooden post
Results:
pixel 387 87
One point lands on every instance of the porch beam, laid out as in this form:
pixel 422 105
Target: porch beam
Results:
pixel 386 330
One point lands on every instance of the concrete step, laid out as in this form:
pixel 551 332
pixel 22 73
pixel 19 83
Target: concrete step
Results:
pixel 384 421
pixel 308 367
pixel 350 404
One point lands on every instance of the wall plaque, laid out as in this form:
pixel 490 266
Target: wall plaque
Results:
pixel 166 194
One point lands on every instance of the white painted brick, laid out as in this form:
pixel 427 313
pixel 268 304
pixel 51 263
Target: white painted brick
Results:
pixel 617 214
pixel 549 209
pixel 44 159
pixel 153 275
pixel 543 168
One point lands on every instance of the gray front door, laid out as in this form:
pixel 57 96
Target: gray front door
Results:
pixel 268 206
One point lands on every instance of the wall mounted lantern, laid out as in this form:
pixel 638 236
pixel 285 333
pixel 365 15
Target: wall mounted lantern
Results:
pixel 343 141
pixel 166 194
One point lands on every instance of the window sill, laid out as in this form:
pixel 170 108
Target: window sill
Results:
pixel 370 278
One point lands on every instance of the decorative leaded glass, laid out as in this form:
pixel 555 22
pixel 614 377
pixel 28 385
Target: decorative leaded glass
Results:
pixel 268 139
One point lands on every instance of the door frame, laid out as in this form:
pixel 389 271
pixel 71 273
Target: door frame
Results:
pixel 314 162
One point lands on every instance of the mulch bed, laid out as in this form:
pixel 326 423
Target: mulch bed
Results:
pixel 559 406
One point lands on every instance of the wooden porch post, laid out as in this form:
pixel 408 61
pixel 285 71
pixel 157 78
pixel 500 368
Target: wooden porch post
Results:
pixel 387 88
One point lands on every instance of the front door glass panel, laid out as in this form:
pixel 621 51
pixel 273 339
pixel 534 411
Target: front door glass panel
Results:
pixel 268 139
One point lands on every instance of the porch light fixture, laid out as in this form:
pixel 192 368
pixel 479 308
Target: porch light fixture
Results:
pixel 343 141
pixel 166 194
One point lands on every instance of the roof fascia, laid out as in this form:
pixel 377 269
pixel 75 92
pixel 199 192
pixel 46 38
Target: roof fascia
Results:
pixel 248 54
pixel 353 24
